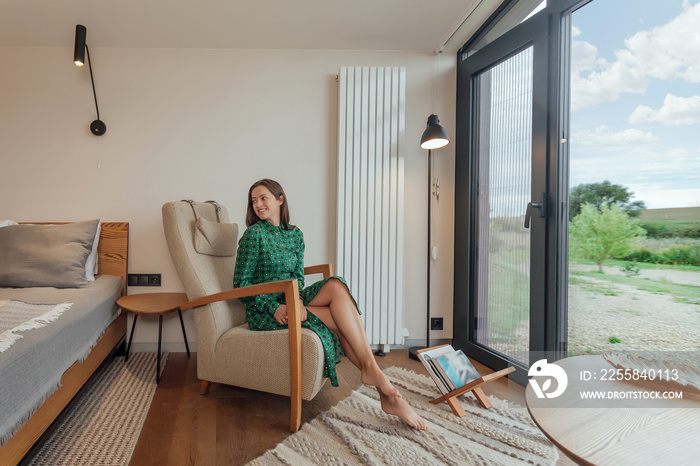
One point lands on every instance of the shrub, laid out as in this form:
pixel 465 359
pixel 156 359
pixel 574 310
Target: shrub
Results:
pixel 681 255
pixel 604 233
pixel 654 230
pixel 643 254
pixel 672 230
pixel 689 230
pixel 630 269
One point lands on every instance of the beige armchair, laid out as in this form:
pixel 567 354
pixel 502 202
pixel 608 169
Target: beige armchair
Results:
pixel 227 350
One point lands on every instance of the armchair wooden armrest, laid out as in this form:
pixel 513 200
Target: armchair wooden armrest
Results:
pixel 279 286
pixel 325 269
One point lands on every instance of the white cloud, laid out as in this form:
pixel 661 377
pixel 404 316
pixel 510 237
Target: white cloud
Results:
pixel 586 56
pixel 604 85
pixel 668 198
pixel 602 139
pixel 675 111
pixel 660 179
pixel 670 51
pixel 675 162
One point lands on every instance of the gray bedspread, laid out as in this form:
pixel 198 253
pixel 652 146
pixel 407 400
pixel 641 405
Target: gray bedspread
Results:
pixel 31 369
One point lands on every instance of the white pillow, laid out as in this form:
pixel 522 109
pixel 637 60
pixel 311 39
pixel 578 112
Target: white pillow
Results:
pixel 7 223
pixel 91 262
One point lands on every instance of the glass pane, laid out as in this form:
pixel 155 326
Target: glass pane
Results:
pixel 634 178
pixel 504 157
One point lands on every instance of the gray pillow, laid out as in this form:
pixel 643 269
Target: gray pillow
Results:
pixel 215 239
pixel 45 255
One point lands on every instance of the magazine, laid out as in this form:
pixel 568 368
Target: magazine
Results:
pixel 426 357
pixel 456 368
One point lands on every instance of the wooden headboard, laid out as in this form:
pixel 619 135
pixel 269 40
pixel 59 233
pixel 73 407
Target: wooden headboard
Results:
pixel 113 250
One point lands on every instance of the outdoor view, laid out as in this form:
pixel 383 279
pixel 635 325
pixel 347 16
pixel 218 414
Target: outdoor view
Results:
pixel 634 239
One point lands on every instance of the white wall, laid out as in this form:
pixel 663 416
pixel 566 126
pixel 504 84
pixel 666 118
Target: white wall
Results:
pixel 205 124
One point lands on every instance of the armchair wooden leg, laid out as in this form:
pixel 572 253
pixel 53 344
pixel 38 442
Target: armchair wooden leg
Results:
pixel 291 295
pixel 204 387
pixel 295 421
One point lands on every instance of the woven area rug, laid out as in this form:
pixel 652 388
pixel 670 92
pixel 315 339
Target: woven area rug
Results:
pixel 356 431
pixel 105 424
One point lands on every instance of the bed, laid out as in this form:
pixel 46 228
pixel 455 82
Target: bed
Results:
pixel 44 368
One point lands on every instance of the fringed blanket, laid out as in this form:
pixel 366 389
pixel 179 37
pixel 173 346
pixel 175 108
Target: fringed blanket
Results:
pixel 18 316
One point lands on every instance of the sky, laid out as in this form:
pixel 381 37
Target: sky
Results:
pixel 635 98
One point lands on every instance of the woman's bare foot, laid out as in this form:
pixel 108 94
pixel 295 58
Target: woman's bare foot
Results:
pixel 399 407
pixel 375 377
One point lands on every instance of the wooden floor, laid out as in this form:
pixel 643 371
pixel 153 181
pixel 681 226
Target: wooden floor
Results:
pixel 231 425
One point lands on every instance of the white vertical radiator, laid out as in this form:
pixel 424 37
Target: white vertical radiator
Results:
pixel 369 254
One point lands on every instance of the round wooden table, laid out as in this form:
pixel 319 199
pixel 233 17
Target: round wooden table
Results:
pixel 624 431
pixel 153 304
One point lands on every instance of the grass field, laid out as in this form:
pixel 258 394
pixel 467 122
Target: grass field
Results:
pixel 676 215
pixel 641 265
pixel 681 293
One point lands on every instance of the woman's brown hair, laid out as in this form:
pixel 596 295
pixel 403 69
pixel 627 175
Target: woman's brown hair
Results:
pixel 276 190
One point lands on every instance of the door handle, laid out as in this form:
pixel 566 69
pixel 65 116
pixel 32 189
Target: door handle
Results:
pixel 536 205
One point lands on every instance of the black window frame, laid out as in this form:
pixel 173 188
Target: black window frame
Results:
pixel 549 330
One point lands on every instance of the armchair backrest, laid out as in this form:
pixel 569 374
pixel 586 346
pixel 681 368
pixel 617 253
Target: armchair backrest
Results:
pixel 202 274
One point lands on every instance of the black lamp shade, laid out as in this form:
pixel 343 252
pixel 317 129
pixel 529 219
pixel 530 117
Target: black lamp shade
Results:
pixel 434 136
pixel 79 50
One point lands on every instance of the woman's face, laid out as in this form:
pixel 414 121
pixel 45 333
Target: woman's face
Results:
pixel 265 205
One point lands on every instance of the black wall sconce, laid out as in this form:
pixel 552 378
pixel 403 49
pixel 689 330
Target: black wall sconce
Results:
pixel 97 127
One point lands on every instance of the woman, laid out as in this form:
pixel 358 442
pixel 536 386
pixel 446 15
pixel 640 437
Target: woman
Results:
pixel 272 249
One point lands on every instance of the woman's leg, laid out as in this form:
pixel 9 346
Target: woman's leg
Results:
pixel 336 308
pixel 317 310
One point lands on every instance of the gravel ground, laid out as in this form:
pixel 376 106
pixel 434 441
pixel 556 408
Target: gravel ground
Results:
pixel 642 320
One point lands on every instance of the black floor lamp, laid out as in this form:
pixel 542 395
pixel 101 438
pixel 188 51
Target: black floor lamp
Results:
pixel 434 137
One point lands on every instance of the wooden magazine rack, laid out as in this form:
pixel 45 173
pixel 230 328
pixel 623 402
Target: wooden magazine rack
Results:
pixel 474 387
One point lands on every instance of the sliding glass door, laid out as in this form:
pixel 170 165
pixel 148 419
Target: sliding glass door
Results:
pixel 502 198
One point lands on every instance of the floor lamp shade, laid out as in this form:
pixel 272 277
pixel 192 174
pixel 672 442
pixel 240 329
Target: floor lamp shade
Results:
pixel 434 136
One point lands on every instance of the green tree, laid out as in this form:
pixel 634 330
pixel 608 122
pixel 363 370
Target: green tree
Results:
pixel 603 233
pixel 603 194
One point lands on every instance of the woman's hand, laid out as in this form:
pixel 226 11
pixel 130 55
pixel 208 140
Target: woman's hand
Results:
pixel 282 315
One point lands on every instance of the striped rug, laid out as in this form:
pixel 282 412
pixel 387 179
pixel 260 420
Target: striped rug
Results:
pixel 356 431
pixel 105 424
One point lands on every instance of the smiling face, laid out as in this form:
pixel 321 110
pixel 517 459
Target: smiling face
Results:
pixel 265 205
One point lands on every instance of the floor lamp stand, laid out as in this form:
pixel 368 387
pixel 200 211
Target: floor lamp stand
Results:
pixel 412 350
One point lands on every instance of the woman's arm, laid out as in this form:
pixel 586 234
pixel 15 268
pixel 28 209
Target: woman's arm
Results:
pixel 244 273
pixel 299 269
pixel 298 273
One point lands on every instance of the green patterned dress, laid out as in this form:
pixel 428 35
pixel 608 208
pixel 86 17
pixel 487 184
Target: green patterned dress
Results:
pixel 267 253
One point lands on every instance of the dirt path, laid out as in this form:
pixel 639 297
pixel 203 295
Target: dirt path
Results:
pixel 599 309
pixel 682 277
